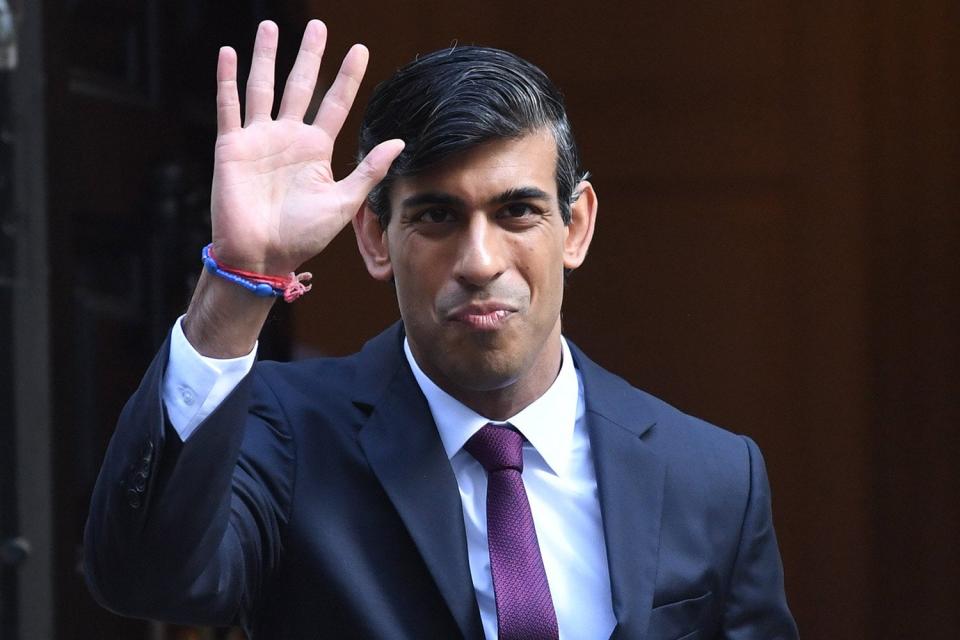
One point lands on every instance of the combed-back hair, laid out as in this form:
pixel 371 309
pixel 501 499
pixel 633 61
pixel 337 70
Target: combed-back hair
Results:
pixel 454 99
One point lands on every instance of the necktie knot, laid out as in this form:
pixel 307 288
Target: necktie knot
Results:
pixel 496 448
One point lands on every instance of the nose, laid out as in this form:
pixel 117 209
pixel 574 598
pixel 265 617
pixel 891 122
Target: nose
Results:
pixel 481 255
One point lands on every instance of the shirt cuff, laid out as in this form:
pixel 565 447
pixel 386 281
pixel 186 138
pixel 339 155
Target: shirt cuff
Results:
pixel 195 385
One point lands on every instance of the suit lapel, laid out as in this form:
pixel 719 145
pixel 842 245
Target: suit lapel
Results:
pixel 404 450
pixel 630 479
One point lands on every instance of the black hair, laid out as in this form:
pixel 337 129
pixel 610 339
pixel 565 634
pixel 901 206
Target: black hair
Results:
pixel 454 99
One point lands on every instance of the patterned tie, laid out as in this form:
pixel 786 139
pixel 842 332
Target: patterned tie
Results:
pixel 524 607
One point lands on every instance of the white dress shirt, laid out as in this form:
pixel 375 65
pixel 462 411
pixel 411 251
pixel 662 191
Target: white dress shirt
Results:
pixel 561 485
pixel 558 474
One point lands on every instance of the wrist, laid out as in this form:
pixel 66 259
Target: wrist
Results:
pixel 253 261
pixel 223 319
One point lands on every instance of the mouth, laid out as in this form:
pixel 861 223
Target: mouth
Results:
pixel 482 317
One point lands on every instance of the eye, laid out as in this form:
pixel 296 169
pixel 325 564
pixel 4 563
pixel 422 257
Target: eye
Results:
pixel 434 215
pixel 519 210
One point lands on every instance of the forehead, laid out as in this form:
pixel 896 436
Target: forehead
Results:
pixel 487 169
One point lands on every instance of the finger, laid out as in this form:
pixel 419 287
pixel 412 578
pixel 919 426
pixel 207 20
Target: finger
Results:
pixel 336 104
pixel 228 100
pixel 260 80
pixel 303 76
pixel 371 170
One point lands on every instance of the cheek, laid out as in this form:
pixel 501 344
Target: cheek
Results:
pixel 542 269
pixel 417 283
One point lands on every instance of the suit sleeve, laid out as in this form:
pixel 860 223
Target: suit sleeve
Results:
pixel 756 605
pixel 189 532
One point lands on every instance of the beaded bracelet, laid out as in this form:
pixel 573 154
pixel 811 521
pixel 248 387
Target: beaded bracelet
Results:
pixel 290 287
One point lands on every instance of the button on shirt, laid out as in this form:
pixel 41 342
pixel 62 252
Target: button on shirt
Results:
pixel 561 485
pixel 558 475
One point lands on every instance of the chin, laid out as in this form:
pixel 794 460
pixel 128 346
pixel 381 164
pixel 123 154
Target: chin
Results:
pixel 482 372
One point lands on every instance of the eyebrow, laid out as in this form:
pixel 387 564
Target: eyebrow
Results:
pixel 521 193
pixel 431 197
pixel 440 197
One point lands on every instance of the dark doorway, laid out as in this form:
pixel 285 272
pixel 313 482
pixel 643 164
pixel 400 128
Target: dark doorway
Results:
pixel 105 162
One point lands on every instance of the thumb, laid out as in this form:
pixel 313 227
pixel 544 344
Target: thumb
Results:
pixel 371 169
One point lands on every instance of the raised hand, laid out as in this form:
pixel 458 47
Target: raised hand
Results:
pixel 275 203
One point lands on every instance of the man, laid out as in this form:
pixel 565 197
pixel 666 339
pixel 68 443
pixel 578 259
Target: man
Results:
pixel 469 473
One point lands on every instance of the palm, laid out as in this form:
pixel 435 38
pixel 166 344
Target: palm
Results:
pixel 275 202
pixel 273 192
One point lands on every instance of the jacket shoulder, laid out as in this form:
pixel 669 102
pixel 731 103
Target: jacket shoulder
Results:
pixel 683 441
pixel 358 378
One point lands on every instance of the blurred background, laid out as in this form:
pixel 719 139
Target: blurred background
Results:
pixel 776 252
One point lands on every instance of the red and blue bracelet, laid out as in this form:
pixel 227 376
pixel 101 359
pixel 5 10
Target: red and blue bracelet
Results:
pixel 290 287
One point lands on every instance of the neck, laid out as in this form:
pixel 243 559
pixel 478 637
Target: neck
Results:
pixel 507 400
pixel 502 404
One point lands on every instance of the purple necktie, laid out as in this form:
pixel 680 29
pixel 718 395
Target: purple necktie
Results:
pixel 524 607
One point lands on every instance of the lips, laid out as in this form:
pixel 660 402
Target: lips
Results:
pixel 487 316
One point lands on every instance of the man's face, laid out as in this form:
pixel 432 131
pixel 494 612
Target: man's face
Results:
pixel 477 249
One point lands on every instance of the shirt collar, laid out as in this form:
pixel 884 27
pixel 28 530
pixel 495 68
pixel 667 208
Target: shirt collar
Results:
pixel 547 423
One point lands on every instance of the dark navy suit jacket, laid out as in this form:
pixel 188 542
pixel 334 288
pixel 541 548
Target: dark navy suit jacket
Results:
pixel 317 502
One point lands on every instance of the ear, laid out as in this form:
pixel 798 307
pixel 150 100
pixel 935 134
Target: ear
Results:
pixel 372 242
pixel 579 233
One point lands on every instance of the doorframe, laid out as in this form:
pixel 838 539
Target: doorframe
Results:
pixel 31 329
